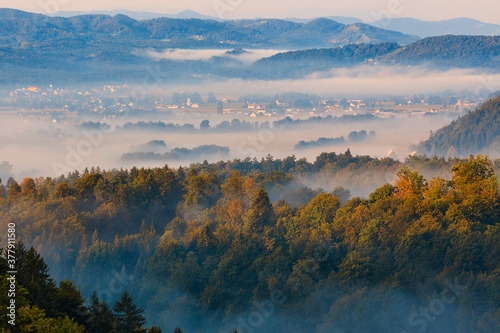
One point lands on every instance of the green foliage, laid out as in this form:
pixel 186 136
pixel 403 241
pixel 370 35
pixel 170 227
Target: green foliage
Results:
pixel 34 276
pixel 128 315
pixel 70 301
pixel 476 132
pixel 295 64
pixel 101 318
pixel 449 51
pixel 34 320
pixel 385 191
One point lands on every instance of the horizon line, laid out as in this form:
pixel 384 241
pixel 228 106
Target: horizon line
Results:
pixel 97 11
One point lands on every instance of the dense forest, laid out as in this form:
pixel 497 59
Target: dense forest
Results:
pixel 244 245
pixel 440 52
pixel 297 64
pixel 449 52
pixel 474 133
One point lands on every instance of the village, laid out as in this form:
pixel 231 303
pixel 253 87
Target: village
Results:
pixel 111 101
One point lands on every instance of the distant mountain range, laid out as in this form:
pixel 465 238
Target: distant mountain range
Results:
pixel 185 14
pixel 408 26
pixel 459 26
pixel 36 48
pixel 40 30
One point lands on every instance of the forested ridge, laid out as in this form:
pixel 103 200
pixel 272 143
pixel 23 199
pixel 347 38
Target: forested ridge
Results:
pixel 449 51
pixel 244 244
pixel 474 133
pixel 296 64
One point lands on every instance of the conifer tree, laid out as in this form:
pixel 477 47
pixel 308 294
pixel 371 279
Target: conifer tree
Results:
pixel 34 276
pixel 70 301
pixel 102 318
pixel 261 212
pixel 129 316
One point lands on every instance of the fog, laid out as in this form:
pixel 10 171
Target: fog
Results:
pixel 369 81
pixel 246 56
pixel 41 148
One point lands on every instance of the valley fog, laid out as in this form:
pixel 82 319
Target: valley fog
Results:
pixel 59 148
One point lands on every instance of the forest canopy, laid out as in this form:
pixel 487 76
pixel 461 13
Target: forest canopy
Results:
pixel 214 247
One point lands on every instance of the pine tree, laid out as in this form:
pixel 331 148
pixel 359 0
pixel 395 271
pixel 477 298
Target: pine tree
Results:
pixel 102 318
pixel 34 276
pixel 261 212
pixel 129 316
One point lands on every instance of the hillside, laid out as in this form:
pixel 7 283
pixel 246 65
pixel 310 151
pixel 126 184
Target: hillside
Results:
pixel 441 52
pixel 296 64
pixel 450 51
pixel 476 132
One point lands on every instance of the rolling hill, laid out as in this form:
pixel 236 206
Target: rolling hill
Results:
pixel 449 51
pixel 477 132
pixel 442 52
pixel 296 64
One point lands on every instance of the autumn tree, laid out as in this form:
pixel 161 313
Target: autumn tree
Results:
pixel 62 190
pixel 409 183
pixel 28 186
pixel 14 191
pixel 233 187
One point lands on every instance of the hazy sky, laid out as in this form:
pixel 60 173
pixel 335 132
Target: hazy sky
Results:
pixel 485 10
